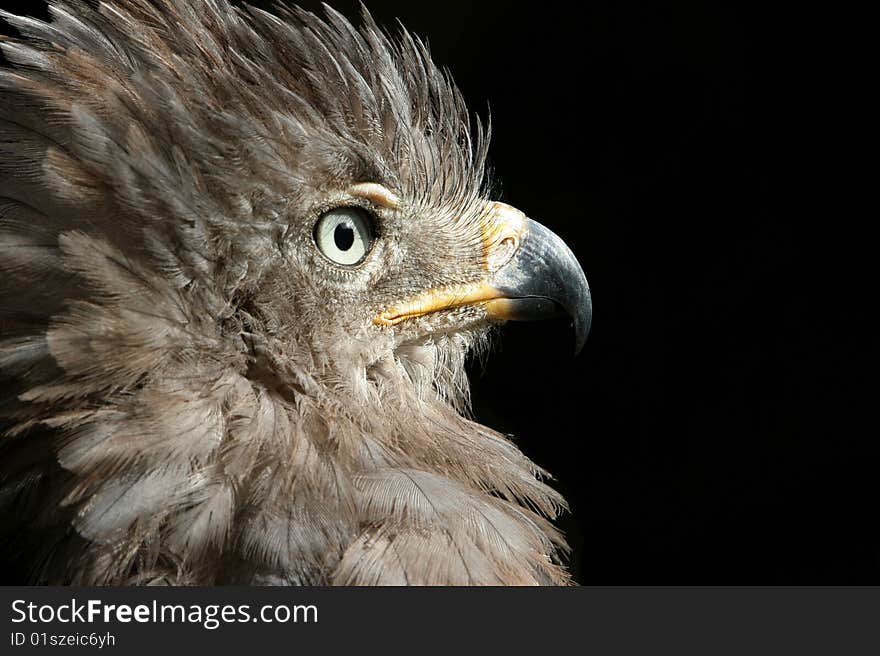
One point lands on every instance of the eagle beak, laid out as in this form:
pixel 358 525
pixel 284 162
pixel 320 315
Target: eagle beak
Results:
pixel 531 275
pixel 542 278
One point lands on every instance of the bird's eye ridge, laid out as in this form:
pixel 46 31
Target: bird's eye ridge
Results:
pixel 344 235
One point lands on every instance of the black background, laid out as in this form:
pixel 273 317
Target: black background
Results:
pixel 713 429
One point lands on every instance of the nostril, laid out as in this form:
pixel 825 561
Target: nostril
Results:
pixel 502 253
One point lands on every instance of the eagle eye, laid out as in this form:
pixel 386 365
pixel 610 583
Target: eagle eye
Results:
pixel 344 235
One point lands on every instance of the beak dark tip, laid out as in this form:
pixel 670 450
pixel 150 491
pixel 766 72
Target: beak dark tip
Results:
pixel 583 318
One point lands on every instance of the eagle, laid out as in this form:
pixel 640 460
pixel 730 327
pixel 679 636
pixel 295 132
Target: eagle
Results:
pixel 244 259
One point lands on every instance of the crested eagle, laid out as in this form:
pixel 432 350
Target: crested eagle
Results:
pixel 243 260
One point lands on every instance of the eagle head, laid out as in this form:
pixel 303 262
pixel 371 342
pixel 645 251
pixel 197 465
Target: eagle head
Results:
pixel 244 259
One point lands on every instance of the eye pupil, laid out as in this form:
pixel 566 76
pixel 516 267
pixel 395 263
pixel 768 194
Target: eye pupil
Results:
pixel 343 236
